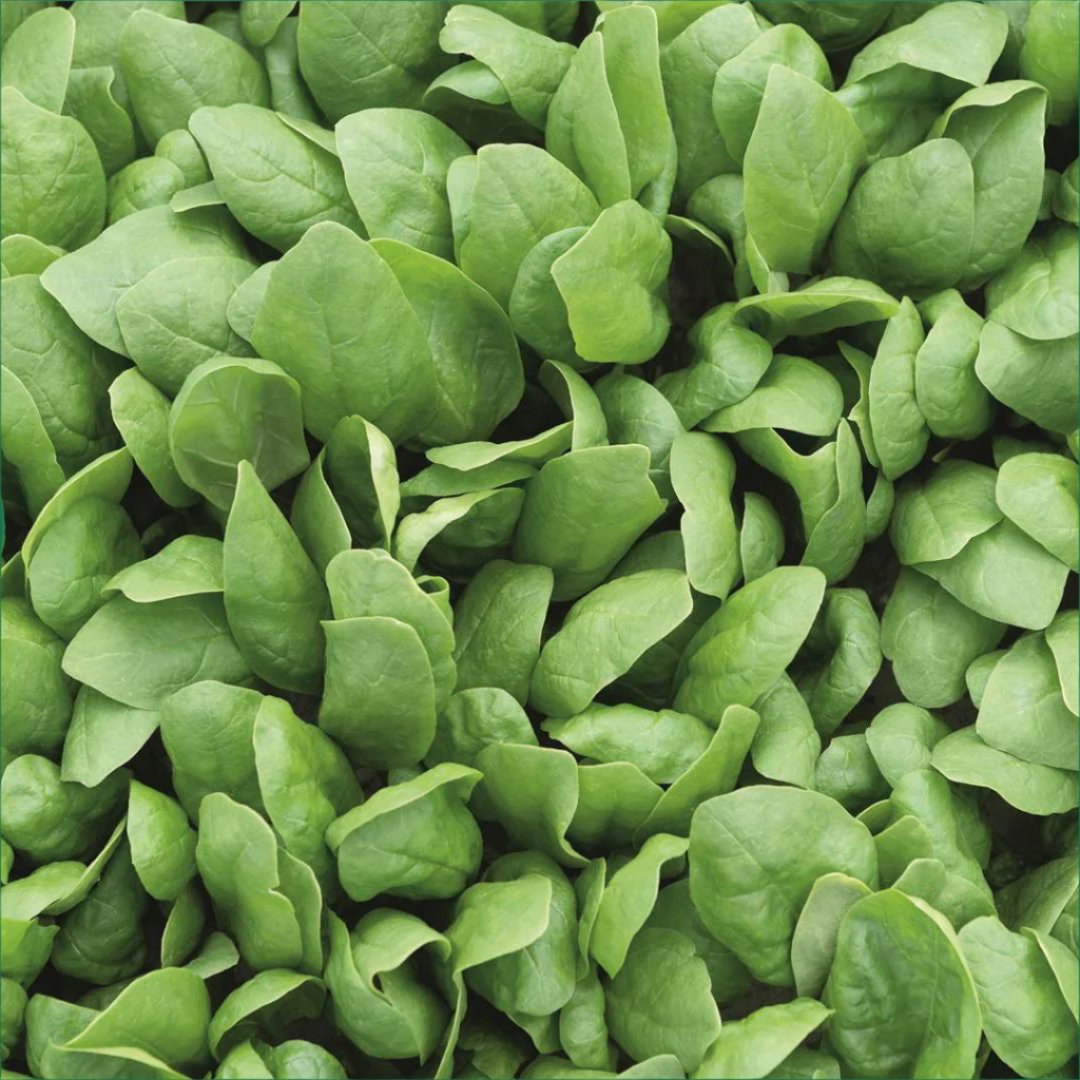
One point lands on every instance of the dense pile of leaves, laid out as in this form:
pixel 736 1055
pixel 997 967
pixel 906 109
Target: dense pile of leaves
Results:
pixel 540 539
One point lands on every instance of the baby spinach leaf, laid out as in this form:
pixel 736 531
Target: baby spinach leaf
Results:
pixel 754 912
pixel 932 1035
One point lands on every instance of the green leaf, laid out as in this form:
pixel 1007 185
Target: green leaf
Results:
pixel 141 413
pixel 787 745
pixel 183 927
pixel 1061 636
pixel 180 148
pixel 275 609
pixel 460 533
pixel 739 652
pixel 688 65
pixel 540 978
pixel 896 81
pixel 583 1032
pixel 175 642
pixel 305 782
pixel 317 518
pixel 703 475
pixel 1033 378
pixel 354 58
pixel 104 734
pixel 628 898
pixel 189 566
pixel 899 431
pixel 528 64
pixel 1037 492
pixel 754 911
pixel 242 868
pixel 624 256
pixel 902 738
pixel 217 421
pixel 846 772
pixel 1001 129
pixel 108 477
pixel 141 185
pixel 1036 789
pixel 173 68
pixel 793 394
pixel 1018 993
pixel 1027 594
pixel 952 401
pixel 212 713
pixel 89 283
pixel 643 607
pixel 362 472
pixel 740 81
pixel 533 792
pixel 607 121
pixel 372 583
pixel 370 360
pixel 827 304
pixel 498 620
pixel 379 695
pixel 102 940
pixel 414 839
pixel 828 485
pixel 289 94
pixel 395 163
pixel 162 842
pixel 714 773
pixel 813 943
pixel 1022 711
pixel 615 799
pixel 934 520
pixel 591 530
pixel 135 1026
pixel 890 232
pixel 260 19
pixel 841 657
pixel 957 899
pixel 503 202
pixel 65 374
pixel 902 996
pixel 37 57
pixel 800 162
pixel 22 254
pixel 276 182
pixel 579 402
pixel 53 174
pixel 682 1020
pixel 478 377
pixel 173 319
pixel 757 1045
pixel 374 979
pixel 662 744
pixel 266 1001
pixel 637 412
pixel 473 719
pixel 931 639
pixel 1045 56
pixel 28 450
